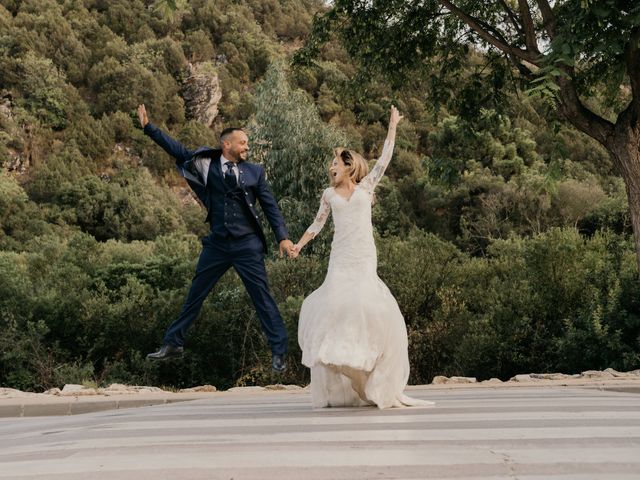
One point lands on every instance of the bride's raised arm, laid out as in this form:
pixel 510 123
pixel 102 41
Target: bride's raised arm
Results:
pixel 373 178
pixel 316 226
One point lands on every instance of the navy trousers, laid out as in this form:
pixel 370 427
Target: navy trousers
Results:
pixel 246 256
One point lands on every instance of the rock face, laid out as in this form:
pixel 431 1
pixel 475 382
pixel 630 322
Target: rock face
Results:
pixel 13 393
pixel 73 390
pixel 201 92
pixel 279 386
pixel 6 104
pixel 16 160
pixel 441 380
pixel 201 388
pixel 608 374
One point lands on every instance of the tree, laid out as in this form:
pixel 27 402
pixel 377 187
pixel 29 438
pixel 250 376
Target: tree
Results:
pixel 295 146
pixel 584 55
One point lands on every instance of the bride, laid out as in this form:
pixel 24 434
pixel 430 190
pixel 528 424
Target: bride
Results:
pixel 351 331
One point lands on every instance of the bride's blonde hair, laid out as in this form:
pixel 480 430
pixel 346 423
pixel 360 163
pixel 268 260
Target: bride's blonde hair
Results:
pixel 357 166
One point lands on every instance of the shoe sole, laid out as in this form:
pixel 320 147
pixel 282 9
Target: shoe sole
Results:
pixel 166 357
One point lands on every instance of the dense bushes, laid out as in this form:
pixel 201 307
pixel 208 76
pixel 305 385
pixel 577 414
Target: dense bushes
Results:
pixel 553 302
pixel 82 310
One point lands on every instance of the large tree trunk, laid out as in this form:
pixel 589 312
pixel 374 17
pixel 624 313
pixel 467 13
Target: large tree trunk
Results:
pixel 622 141
pixel 624 146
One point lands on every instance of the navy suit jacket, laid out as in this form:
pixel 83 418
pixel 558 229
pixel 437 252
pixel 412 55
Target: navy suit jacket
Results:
pixel 251 180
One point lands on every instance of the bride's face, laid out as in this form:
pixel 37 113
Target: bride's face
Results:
pixel 339 171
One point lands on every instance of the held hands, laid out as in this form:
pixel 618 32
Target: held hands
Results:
pixel 291 250
pixel 295 251
pixel 287 246
pixel 142 115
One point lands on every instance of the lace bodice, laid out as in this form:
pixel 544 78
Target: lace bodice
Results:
pixel 366 185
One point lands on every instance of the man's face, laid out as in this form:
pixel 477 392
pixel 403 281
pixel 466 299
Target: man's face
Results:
pixel 236 146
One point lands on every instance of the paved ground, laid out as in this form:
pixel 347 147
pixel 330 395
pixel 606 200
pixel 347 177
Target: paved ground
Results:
pixel 538 432
pixel 40 405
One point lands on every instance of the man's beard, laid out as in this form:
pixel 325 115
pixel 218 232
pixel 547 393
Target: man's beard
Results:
pixel 237 156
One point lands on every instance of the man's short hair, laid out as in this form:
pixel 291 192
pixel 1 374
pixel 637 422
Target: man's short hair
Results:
pixel 227 132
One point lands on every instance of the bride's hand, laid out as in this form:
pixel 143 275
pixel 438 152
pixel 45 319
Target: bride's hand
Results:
pixel 395 116
pixel 295 251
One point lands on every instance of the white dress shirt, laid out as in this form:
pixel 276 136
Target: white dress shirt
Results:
pixel 234 167
pixel 203 167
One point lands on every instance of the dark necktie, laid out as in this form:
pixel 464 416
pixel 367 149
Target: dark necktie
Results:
pixel 229 177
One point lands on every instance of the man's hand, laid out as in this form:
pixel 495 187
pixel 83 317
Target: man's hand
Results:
pixel 286 246
pixel 142 115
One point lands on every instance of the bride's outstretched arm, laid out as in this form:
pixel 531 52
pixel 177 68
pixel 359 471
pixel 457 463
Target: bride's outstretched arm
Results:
pixel 316 226
pixel 304 239
pixel 373 178
pixel 394 119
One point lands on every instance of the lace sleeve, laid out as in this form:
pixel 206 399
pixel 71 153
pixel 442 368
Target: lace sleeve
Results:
pixel 321 216
pixel 375 175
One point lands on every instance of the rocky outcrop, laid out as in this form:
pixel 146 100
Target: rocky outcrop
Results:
pixel 13 393
pixel 279 386
pixel 441 380
pixel 202 92
pixel 75 390
pixel 16 161
pixel 201 388
pixel 6 104
pixel 608 374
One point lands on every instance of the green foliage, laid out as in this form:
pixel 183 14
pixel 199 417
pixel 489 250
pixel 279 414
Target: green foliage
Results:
pixel 123 85
pixel 295 147
pixel 102 306
pixel 426 38
pixel 489 140
pixel 128 206
pixel 198 47
pixel 20 219
pixel 554 302
pixel 46 93
pixel 61 169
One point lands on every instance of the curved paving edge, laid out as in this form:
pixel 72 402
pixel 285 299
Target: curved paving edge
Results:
pixel 35 407
pixel 51 405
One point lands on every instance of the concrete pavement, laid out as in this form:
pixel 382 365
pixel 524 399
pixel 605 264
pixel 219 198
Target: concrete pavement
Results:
pixel 546 431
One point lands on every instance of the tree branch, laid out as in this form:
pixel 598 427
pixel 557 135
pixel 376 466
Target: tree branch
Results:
pixel 529 28
pixel 511 15
pixel 574 111
pixel 476 25
pixel 548 18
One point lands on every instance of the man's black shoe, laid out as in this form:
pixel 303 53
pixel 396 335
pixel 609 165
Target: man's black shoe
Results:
pixel 166 351
pixel 278 364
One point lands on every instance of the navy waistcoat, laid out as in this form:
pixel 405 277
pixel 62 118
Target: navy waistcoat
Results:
pixel 228 212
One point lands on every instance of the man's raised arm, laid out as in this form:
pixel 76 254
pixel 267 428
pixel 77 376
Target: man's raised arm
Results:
pixel 169 145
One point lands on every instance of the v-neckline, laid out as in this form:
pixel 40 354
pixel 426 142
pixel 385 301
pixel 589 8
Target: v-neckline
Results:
pixel 346 199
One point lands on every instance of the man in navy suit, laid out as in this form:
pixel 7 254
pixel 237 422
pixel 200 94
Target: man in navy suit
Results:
pixel 228 187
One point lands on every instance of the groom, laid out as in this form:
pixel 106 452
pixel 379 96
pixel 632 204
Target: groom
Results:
pixel 228 187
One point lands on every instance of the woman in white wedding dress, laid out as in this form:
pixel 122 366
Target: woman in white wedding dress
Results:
pixel 351 331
